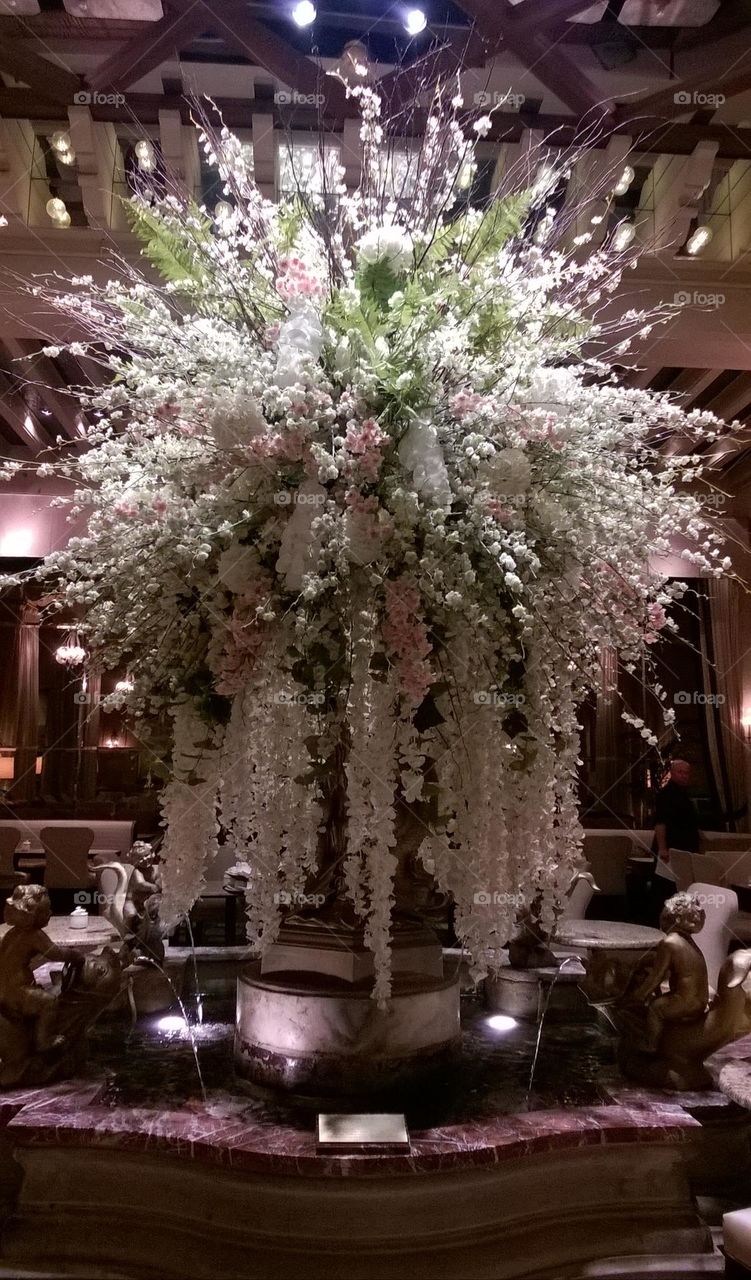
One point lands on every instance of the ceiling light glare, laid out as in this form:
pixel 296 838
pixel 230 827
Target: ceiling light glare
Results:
pixel 415 22
pixel 304 13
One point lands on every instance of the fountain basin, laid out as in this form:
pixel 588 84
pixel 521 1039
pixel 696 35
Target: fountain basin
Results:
pixel 318 1036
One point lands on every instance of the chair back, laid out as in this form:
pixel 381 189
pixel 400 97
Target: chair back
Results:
pixel 10 838
pixel 707 870
pixel 719 905
pixel 736 865
pixel 730 841
pixel 682 866
pixel 66 850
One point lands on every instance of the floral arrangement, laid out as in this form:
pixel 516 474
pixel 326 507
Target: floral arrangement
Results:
pixel 363 508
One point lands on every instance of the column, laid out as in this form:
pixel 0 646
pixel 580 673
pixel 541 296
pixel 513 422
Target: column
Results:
pixel 27 717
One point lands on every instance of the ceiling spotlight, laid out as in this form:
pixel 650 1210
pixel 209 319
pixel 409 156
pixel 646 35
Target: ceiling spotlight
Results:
pixel 698 240
pixel 414 22
pixel 624 182
pixel 304 13
pixel 623 236
pixel 58 212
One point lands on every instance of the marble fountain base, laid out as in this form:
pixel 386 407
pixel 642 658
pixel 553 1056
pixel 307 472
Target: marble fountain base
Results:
pixel 142 1170
pixel 307 1023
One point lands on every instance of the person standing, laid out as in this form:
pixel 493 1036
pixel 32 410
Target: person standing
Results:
pixel 676 827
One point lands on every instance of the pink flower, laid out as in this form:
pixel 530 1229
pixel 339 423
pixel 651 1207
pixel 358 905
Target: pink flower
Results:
pixel 406 637
pixel 126 507
pixel 465 402
pixel 296 280
pixel 657 619
pixel 243 637
pixel 365 441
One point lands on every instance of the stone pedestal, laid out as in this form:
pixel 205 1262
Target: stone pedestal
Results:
pixel 307 1023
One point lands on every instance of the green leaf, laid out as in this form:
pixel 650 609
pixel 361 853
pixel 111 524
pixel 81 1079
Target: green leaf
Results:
pixel 290 220
pixel 175 255
pixel 377 281
pixel 502 222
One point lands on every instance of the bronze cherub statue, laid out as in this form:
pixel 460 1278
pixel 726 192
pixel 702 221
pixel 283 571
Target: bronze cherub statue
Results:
pixel 665 1036
pixel 42 1034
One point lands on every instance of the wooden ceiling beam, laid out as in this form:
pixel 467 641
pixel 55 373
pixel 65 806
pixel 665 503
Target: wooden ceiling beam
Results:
pixel 57 83
pixel 736 397
pixel 231 20
pixel 722 68
pixel 540 56
pixel 401 87
pixel 554 12
pixel 652 135
pixel 162 41
pixel 39 373
pixel 18 416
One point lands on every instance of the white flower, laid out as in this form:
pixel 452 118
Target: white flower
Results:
pixel 296 548
pixel 300 342
pixel 391 244
pixel 420 452
pixel 508 472
pixel 482 126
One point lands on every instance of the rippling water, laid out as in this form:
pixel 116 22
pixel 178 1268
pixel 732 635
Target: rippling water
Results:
pixel 153 1065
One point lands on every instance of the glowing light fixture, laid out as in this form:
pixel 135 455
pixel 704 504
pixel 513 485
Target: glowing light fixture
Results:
pixel 223 211
pixel 467 175
pixel 17 542
pixel 623 236
pixel 624 182
pixel 698 240
pixel 61 145
pixel 145 155
pixel 57 210
pixel 415 22
pixel 304 13
pixel 125 686
pixel 501 1022
pixel 172 1023
pixel 70 653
